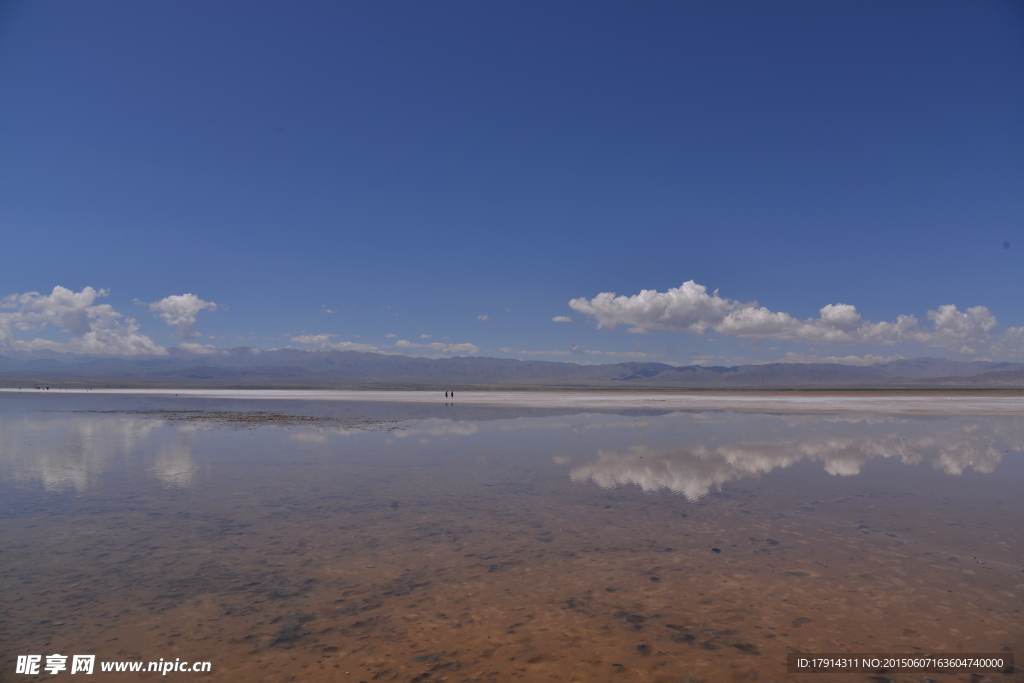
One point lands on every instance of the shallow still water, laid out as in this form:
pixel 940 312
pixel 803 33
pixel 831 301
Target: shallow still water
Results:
pixel 347 541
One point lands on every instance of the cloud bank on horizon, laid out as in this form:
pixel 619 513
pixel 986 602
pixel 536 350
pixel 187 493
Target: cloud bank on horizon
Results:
pixel 98 329
pixel 442 348
pixel 323 342
pixel 690 308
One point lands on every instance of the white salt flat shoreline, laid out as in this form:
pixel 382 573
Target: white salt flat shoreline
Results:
pixel 923 403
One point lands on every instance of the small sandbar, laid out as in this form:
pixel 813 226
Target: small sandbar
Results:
pixel 934 403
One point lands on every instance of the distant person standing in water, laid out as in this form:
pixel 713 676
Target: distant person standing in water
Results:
pixel 446 394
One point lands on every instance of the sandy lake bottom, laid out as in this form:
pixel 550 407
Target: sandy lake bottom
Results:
pixel 291 540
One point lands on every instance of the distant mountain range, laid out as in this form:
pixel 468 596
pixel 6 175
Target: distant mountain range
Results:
pixel 247 367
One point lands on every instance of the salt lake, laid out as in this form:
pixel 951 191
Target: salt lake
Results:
pixel 394 536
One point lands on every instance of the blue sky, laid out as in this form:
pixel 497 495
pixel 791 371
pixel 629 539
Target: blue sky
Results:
pixel 407 168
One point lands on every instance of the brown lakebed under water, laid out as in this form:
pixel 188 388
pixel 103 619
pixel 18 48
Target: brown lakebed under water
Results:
pixel 389 541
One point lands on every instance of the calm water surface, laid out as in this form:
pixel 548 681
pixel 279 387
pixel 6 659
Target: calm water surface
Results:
pixel 357 541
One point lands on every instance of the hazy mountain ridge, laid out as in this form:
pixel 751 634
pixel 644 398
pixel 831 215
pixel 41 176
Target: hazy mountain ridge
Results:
pixel 245 366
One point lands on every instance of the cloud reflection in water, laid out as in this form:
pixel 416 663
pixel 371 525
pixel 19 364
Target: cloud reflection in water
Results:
pixel 68 453
pixel 694 472
pixel 65 453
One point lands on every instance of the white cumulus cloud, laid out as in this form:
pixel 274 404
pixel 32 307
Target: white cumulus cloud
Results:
pixel 584 351
pixel 203 349
pixel 313 338
pixel 964 332
pixel 556 352
pixel 324 343
pixel 690 308
pixel 180 310
pixel 867 359
pixel 561 319
pixel 462 349
pixel 483 317
pixel 94 328
pixel 1009 343
pixel 350 346
pixel 576 349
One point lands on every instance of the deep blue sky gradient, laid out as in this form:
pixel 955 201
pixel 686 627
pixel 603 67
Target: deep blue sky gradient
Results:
pixel 453 159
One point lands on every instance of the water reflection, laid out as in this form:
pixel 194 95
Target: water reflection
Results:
pixel 696 470
pixel 691 454
pixel 71 452
pixel 267 542
pixel 174 465
pixel 446 428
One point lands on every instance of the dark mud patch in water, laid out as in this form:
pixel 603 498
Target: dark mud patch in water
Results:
pixel 253 419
